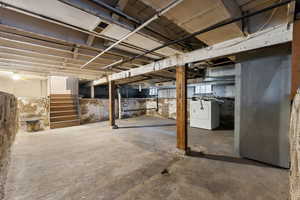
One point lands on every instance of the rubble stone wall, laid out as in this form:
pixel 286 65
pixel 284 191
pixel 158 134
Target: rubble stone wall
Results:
pixel 295 149
pixel 95 110
pixel 34 107
pixel 8 130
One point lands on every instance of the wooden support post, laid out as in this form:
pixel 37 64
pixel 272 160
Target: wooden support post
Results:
pixel 112 94
pixel 295 59
pixel 181 105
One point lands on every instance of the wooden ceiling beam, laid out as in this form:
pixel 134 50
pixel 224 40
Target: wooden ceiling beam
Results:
pixel 272 36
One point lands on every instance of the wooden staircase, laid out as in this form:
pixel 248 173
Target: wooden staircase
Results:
pixel 64 111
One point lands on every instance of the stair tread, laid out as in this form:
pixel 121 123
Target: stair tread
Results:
pixel 74 120
pixel 63 106
pixel 64 116
pixel 61 111
pixel 62 102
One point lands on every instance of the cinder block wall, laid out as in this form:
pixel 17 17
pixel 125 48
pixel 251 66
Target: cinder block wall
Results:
pixel 8 130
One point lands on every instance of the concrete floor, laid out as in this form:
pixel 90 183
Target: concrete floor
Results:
pixel 94 162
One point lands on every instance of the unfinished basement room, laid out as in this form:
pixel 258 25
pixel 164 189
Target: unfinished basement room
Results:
pixel 150 100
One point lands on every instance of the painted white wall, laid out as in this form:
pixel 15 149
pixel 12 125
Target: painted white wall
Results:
pixel 58 85
pixel 24 88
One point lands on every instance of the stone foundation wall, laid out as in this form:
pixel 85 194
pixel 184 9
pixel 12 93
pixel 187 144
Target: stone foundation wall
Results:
pixel 132 104
pixel 95 110
pixel 33 107
pixel 167 109
pixel 8 130
pixel 295 149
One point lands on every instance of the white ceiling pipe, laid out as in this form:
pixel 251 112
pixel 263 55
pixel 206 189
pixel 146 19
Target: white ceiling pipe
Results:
pixel 114 63
pixel 157 15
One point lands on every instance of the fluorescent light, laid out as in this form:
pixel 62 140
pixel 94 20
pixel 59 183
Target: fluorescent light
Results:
pixel 16 76
pixel 6 72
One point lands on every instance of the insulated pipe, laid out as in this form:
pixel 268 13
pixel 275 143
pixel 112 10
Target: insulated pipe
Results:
pixel 157 15
pixel 213 27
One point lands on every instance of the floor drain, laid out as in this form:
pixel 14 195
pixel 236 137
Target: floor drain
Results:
pixel 165 172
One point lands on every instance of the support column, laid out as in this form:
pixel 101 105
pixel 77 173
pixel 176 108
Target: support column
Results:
pixel 120 103
pixel 181 106
pixel 112 93
pixel 295 59
pixel 92 92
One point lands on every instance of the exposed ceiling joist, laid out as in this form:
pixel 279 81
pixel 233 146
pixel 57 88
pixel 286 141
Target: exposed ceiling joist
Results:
pixel 269 37
pixel 90 51
pixel 46 71
pixel 46 57
pixel 90 40
pixel 48 51
pixel 43 61
pixel 50 66
pixel 26 64
pixel 30 21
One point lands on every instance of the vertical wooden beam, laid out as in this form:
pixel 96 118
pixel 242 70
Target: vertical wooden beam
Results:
pixel 181 106
pixel 112 94
pixel 295 59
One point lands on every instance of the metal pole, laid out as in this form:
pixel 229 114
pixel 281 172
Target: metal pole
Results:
pixel 120 103
pixel 157 15
pixel 92 92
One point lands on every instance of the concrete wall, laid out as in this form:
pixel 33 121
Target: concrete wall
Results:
pixel 295 149
pixel 24 88
pixel 62 85
pixel 8 130
pixel 263 107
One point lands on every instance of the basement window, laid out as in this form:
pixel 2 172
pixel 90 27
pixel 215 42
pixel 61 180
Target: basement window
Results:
pixel 203 89
pixel 153 91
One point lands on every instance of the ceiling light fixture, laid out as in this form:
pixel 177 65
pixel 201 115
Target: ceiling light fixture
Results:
pixel 16 77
